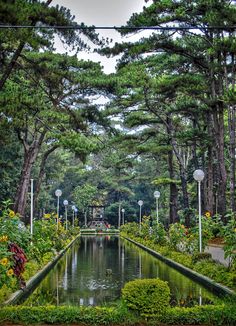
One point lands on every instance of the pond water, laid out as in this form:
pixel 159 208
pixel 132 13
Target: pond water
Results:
pixel 95 268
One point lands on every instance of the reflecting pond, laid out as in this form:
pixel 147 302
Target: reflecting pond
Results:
pixel 95 268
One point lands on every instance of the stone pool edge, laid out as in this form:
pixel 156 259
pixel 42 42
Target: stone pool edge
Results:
pixel 209 283
pixel 16 296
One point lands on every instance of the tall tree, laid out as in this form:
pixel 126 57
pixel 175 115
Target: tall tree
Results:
pixel 202 34
pixel 56 110
pixel 36 14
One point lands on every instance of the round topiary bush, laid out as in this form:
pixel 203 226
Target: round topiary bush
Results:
pixel 149 297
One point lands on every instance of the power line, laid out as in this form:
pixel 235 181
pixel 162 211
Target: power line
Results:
pixel 82 27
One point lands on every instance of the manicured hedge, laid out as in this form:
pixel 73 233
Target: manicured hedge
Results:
pixel 65 314
pixel 207 315
pixel 224 315
pixel 147 296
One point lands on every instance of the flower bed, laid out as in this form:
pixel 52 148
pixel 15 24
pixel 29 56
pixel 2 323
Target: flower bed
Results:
pixel 22 256
pixel 180 249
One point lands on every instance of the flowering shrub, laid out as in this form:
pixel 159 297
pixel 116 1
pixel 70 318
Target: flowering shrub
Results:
pixel 131 228
pixel 19 260
pixel 178 236
pixel 11 232
pixel 6 270
pixel 158 233
pixel 16 244
pixel 209 227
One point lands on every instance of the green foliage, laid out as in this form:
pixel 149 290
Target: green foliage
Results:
pixel 165 181
pixel 159 234
pixel 184 239
pixel 208 315
pixel 177 235
pixel 229 234
pixel 217 272
pixel 47 240
pixel 12 231
pixel 208 226
pixel 148 297
pixel 205 266
pixel 201 256
pixel 84 194
pixel 67 315
pixel 199 315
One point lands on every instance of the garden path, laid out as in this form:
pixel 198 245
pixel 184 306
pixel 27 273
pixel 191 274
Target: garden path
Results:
pixel 217 252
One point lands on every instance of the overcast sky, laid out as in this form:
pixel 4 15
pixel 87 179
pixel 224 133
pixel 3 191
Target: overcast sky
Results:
pixel 102 13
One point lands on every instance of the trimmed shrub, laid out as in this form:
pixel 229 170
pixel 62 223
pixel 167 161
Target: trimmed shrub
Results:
pixel 221 315
pixel 66 315
pixel 148 297
pixel 224 315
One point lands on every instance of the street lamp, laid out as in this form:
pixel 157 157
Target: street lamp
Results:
pixel 123 216
pixel 73 215
pixel 58 193
pixel 76 210
pixel 157 195
pixel 65 203
pixel 199 176
pixel 140 202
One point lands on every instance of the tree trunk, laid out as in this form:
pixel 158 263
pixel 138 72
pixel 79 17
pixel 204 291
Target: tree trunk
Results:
pixel 22 190
pixel 222 169
pixel 218 132
pixel 41 175
pixel 182 169
pixel 231 123
pixel 173 217
pixel 31 153
pixel 194 146
pixel 183 179
pixel 209 180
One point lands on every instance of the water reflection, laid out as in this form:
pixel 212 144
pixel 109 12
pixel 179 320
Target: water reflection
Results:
pixel 81 277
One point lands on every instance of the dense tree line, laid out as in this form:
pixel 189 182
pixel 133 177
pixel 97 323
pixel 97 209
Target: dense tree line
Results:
pixel 171 110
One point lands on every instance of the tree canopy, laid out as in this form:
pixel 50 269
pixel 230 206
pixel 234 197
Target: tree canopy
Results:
pixel 169 110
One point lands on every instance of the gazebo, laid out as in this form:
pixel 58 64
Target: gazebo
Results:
pixel 96 218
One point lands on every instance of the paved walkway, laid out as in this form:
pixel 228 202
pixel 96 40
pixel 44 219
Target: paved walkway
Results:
pixel 217 253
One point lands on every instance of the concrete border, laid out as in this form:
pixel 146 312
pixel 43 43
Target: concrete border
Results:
pixel 34 280
pixel 94 232
pixel 209 283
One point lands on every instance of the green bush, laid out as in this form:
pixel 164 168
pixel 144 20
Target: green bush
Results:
pixel 207 315
pixel 66 315
pixel 201 256
pixel 148 297
pixel 224 315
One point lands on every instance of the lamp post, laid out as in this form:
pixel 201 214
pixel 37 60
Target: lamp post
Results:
pixel 140 202
pixel 73 215
pixel 199 176
pixel 123 216
pixel 76 211
pixel 58 193
pixel 65 203
pixel 157 195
